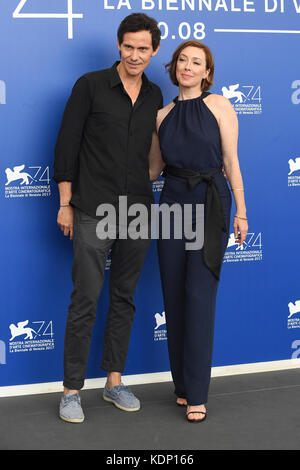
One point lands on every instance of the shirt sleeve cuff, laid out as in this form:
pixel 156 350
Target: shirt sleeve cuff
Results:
pixel 59 177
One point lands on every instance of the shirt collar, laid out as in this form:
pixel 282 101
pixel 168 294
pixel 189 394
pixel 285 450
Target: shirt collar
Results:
pixel 116 80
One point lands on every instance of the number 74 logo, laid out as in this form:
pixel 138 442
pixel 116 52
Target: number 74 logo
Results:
pixel 69 15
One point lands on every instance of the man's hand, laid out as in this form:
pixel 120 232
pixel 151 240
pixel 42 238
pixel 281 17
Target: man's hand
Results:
pixel 65 220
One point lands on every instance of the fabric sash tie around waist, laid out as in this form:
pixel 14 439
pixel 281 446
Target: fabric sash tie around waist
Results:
pixel 214 221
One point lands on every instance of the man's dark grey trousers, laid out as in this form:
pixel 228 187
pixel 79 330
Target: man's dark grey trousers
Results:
pixel 90 255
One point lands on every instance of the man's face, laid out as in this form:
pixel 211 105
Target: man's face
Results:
pixel 136 51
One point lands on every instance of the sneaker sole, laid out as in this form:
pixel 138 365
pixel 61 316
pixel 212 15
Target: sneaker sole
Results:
pixel 120 406
pixel 70 420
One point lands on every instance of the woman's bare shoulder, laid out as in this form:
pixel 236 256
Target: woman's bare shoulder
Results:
pixel 220 107
pixel 162 113
pixel 218 100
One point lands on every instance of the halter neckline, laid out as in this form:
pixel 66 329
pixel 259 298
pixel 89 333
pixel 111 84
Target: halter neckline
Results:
pixel 203 94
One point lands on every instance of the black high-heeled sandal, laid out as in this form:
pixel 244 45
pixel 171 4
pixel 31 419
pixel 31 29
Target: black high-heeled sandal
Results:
pixel 196 420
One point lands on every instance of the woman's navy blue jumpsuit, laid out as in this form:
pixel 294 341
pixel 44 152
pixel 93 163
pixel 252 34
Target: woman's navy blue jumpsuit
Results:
pixel 190 140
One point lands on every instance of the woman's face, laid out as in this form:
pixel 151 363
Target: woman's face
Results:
pixel 191 67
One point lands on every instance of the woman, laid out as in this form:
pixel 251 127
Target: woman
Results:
pixel 197 135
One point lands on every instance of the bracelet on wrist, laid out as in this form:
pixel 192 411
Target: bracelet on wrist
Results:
pixel 238 217
pixel 64 205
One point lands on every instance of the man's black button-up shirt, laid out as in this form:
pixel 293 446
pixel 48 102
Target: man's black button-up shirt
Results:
pixel 104 141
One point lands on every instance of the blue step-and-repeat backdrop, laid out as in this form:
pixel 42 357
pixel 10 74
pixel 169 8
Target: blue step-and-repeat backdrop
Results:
pixel 45 46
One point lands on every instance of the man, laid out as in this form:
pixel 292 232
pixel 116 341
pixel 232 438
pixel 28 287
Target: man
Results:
pixel 102 148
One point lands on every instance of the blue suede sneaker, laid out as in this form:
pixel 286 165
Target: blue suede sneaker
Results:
pixel 70 408
pixel 122 397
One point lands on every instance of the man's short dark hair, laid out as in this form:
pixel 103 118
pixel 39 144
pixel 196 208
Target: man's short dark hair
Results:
pixel 140 22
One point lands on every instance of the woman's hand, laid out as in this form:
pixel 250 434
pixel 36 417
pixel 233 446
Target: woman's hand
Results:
pixel 240 227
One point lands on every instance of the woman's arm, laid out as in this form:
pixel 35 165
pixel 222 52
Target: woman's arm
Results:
pixel 156 163
pixel 228 124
